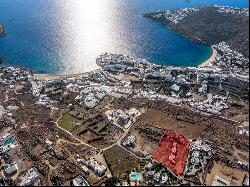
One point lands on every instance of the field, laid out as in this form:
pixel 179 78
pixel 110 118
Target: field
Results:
pixel 192 124
pixel 100 127
pixel 234 176
pixel 158 119
pixel 237 113
pixel 119 160
pixel 93 129
pixel 147 139
pixel 68 122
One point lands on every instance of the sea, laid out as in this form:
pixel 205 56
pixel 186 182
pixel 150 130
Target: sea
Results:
pixel 66 36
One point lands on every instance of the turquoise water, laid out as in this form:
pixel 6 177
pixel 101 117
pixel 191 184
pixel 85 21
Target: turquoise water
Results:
pixel 66 36
pixel 136 176
pixel 10 141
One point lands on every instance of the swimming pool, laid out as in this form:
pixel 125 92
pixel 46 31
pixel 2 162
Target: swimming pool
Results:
pixel 135 176
pixel 84 181
pixel 10 141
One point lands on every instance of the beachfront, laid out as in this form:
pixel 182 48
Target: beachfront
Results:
pixel 210 60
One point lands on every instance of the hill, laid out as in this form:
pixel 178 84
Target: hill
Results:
pixel 209 25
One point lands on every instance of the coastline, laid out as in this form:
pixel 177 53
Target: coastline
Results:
pixel 59 76
pixel 210 60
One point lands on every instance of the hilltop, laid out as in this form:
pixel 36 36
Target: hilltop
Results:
pixel 209 25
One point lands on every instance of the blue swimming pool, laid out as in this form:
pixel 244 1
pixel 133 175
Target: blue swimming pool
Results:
pixel 136 176
pixel 10 141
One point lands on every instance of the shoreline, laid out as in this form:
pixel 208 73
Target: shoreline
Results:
pixel 59 76
pixel 210 60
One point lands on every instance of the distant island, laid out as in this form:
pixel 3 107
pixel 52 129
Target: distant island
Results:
pixel 2 31
pixel 209 25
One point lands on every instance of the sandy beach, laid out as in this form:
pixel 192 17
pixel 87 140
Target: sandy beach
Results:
pixel 210 60
pixel 59 76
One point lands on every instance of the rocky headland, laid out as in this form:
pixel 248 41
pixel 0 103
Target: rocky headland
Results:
pixel 209 25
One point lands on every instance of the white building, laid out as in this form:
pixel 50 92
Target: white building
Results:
pixel 129 141
pixel 29 178
pixel 99 170
pixel 4 149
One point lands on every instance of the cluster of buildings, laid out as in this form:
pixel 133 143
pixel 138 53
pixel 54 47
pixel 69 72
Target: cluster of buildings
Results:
pixel 91 96
pixel 9 145
pixel 4 149
pixel 129 141
pixel 91 89
pixel 233 10
pixel 214 104
pixel 137 67
pixel 231 60
pixel 170 165
pixel 90 165
pixel 157 177
pixel 80 181
pixel 119 63
pixel 30 178
pixel 10 75
pixel 153 95
pixel 199 154
pixel 10 169
pixel 44 101
pixel 95 166
pixel 7 123
pixel 151 173
pixel 176 15
pixel 122 118
pixel 182 81
pixel 244 128
pixel 183 85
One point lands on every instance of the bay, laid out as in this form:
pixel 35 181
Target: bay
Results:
pixel 66 36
